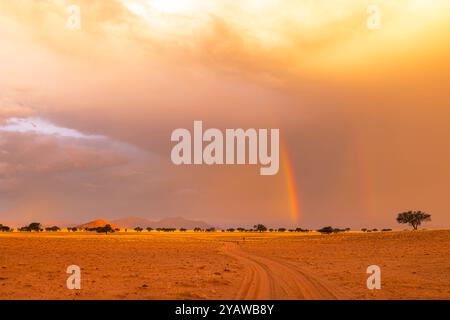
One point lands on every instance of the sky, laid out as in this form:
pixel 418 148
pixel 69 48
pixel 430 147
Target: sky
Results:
pixel 86 114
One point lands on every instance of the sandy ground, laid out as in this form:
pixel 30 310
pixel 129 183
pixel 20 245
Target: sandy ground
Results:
pixel 414 265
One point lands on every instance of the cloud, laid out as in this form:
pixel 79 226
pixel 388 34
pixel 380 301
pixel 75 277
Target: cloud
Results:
pixel 300 39
pixel 351 104
pixel 8 111
pixel 42 127
pixel 27 154
pixel 67 174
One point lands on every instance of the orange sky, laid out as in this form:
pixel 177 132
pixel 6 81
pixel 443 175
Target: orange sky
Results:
pixel 364 114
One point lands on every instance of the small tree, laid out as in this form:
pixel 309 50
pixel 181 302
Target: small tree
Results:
pixel 4 228
pixel 35 226
pixel 108 228
pixel 260 227
pixel 138 229
pixel 149 229
pixel 413 218
pixel 104 229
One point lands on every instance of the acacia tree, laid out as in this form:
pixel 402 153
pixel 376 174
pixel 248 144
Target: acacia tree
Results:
pixel 413 218
pixel 260 227
pixel 104 229
pixel 108 228
pixel 35 226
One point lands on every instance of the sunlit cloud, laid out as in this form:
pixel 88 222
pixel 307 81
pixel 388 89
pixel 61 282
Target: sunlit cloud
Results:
pixel 41 126
pixel 364 112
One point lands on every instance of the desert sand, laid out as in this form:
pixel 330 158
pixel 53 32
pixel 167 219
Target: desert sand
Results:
pixel 158 265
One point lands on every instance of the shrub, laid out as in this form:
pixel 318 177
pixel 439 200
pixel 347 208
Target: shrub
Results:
pixel 330 229
pixel 52 229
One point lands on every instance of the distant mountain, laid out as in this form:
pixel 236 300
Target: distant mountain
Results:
pixel 174 222
pixel 133 222
pixel 97 223
pixel 180 222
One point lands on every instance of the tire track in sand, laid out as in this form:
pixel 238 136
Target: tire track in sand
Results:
pixel 267 278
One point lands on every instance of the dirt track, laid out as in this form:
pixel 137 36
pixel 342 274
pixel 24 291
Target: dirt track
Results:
pixel 267 278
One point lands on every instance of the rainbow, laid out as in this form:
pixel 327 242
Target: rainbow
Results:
pixel 291 185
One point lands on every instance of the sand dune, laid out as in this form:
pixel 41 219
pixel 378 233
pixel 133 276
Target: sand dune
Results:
pixel 96 224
